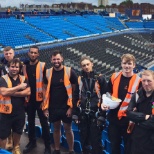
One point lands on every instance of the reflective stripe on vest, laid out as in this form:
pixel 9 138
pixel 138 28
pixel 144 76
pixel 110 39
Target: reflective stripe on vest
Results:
pixel 5 101
pixel 67 85
pixel 97 88
pixel 39 80
pixel 132 88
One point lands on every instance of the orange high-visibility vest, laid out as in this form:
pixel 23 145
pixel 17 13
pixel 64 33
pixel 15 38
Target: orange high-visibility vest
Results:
pixel 67 84
pixel 97 89
pixel 39 79
pixel 132 88
pixel 5 101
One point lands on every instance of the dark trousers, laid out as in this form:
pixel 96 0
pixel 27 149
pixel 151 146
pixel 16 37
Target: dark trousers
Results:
pixel 116 133
pixel 90 135
pixel 32 107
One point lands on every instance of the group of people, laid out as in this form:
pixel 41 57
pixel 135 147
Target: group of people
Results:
pixel 60 96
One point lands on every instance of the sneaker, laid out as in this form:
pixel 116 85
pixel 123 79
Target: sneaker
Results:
pixel 56 152
pixel 9 143
pixel 16 150
pixel 30 146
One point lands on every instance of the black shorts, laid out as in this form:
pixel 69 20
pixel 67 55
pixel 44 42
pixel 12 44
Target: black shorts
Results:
pixel 10 122
pixel 59 114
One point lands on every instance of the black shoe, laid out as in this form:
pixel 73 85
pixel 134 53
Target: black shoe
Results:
pixel 47 151
pixel 56 152
pixel 29 147
pixel 71 152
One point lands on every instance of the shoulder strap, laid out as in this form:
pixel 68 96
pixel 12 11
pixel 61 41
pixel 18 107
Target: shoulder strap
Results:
pixel 68 71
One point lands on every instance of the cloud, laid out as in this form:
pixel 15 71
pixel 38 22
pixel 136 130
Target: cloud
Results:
pixel 5 3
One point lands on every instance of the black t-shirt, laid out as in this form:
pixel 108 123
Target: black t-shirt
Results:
pixel 31 73
pixel 17 102
pixel 58 93
pixel 122 91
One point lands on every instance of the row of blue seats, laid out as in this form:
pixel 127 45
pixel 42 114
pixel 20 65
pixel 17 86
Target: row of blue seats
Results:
pixel 140 24
pixel 77 145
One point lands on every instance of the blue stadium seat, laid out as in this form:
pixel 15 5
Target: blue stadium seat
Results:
pixel 105 152
pixel 76 135
pixel 2 151
pixel 104 136
pixel 74 126
pixel 52 128
pixel 38 131
pixel 77 144
pixel 108 146
pixel 122 148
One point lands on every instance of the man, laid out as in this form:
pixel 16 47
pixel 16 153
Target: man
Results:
pixel 35 72
pixel 58 106
pixel 22 16
pixel 8 56
pixel 121 85
pixel 141 112
pixel 13 90
pixel 87 100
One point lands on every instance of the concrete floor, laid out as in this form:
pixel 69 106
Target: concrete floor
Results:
pixel 40 145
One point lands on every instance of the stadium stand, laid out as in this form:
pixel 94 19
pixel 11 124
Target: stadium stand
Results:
pixel 16 33
pixel 135 24
pixel 105 52
pixel 103 39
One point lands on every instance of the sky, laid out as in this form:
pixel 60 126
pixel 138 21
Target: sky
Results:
pixel 5 3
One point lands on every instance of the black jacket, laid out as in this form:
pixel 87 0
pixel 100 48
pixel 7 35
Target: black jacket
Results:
pixel 142 138
pixel 139 116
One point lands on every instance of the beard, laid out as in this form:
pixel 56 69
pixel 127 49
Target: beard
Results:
pixel 57 66
pixel 33 60
pixel 12 74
